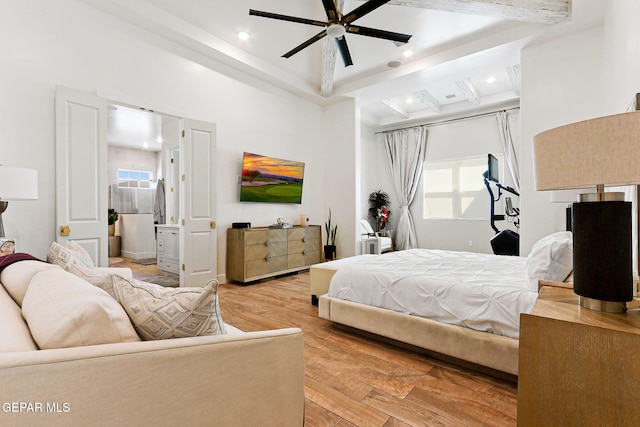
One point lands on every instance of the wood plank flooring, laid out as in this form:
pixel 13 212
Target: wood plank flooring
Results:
pixel 353 380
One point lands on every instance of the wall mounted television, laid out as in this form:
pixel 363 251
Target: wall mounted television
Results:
pixel 271 180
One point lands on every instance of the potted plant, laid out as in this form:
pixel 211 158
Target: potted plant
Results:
pixel 379 209
pixel 330 247
pixel 112 218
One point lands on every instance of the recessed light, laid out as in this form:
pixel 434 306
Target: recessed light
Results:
pixel 491 79
pixel 394 64
pixel 407 53
pixel 243 35
pixel 409 100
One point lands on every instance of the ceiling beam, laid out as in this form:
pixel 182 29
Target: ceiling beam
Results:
pixel 468 91
pixel 395 109
pixel 427 99
pixel 329 53
pixel 537 11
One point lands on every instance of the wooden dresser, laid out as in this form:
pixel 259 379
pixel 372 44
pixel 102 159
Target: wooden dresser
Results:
pixel 261 252
pixel 578 366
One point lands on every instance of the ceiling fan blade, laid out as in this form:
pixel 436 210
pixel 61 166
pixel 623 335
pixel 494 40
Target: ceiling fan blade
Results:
pixel 331 9
pixel 381 34
pixel 359 12
pixel 344 51
pixel 287 18
pixel 309 42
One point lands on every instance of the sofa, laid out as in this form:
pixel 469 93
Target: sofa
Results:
pixel 56 370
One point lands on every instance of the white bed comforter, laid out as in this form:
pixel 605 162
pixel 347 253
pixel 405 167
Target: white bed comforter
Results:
pixel 478 291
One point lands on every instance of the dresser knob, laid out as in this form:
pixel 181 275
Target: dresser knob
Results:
pixel 268 258
pixel 304 252
pixel 267 243
pixel 304 239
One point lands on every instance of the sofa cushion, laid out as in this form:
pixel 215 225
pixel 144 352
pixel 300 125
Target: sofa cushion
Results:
pixel 62 310
pixel 14 332
pixel 17 276
pixel 73 253
pixel 159 313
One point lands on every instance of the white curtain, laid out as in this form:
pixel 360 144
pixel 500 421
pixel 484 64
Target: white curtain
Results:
pixel 509 147
pixel 405 151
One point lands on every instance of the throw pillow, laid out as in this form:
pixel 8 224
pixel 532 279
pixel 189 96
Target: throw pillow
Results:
pixel 97 278
pixel 81 254
pixel 63 310
pixel 551 259
pixel 64 256
pixel 159 313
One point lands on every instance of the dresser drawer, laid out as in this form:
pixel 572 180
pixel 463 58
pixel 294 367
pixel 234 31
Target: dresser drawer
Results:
pixel 303 259
pixel 264 237
pixel 259 267
pixel 299 246
pixel 273 249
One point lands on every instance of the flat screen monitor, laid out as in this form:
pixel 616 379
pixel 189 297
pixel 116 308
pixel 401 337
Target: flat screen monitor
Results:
pixel 493 174
pixel 271 180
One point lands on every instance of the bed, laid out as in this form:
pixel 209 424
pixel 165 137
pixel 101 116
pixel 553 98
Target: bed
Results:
pixel 459 304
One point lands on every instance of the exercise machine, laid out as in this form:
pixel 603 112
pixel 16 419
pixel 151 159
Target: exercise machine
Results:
pixel 505 242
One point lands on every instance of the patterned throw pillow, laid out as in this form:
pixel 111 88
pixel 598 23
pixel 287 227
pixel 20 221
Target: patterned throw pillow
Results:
pixel 101 280
pixel 160 313
pixel 72 254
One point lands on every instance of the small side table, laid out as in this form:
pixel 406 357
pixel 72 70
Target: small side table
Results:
pixel 371 245
pixel 576 365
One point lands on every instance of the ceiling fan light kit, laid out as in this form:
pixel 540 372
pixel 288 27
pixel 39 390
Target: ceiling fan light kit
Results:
pixel 336 30
pixel 337 25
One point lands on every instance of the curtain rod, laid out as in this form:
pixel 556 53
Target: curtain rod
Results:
pixel 442 122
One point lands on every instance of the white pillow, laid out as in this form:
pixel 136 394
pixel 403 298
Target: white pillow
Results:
pixel 62 310
pixel 72 254
pixel 160 313
pixel 551 259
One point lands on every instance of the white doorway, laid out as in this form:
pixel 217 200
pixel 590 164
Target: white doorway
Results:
pixel 186 161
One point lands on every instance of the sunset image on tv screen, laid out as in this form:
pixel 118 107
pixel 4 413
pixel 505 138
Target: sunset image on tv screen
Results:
pixel 268 179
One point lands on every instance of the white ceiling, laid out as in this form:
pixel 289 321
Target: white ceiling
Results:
pixel 450 47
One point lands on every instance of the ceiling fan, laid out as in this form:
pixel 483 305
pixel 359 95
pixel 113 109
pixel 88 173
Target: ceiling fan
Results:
pixel 337 25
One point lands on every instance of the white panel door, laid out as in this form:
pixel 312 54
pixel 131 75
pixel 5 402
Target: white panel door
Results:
pixel 81 171
pixel 198 203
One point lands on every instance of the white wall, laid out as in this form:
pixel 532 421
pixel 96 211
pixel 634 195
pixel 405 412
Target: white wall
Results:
pixel 67 43
pixel 562 82
pixel 622 55
pixel 341 181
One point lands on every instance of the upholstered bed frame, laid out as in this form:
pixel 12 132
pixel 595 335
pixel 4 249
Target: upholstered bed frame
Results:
pixel 496 352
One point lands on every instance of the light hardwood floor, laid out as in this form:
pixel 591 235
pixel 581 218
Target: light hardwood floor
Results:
pixel 352 380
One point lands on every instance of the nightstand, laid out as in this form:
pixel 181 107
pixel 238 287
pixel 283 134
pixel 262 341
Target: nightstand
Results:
pixel 577 366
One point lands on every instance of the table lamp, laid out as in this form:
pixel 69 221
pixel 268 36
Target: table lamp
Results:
pixel 593 154
pixel 16 184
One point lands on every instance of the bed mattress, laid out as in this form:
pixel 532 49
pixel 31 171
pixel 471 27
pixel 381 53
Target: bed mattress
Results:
pixel 478 291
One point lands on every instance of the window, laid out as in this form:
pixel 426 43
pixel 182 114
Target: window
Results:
pixel 455 189
pixel 136 179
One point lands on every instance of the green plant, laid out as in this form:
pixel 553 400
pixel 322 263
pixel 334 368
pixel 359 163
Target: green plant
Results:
pixel 113 216
pixel 331 231
pixel 377 200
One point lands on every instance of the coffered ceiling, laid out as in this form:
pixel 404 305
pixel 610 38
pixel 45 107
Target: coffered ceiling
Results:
pixel 466 53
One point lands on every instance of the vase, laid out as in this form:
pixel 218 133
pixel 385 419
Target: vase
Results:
pixel 329 252
pixel 112 229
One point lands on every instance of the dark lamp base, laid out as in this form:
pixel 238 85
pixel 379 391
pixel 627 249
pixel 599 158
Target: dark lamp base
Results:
pixel 602 255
